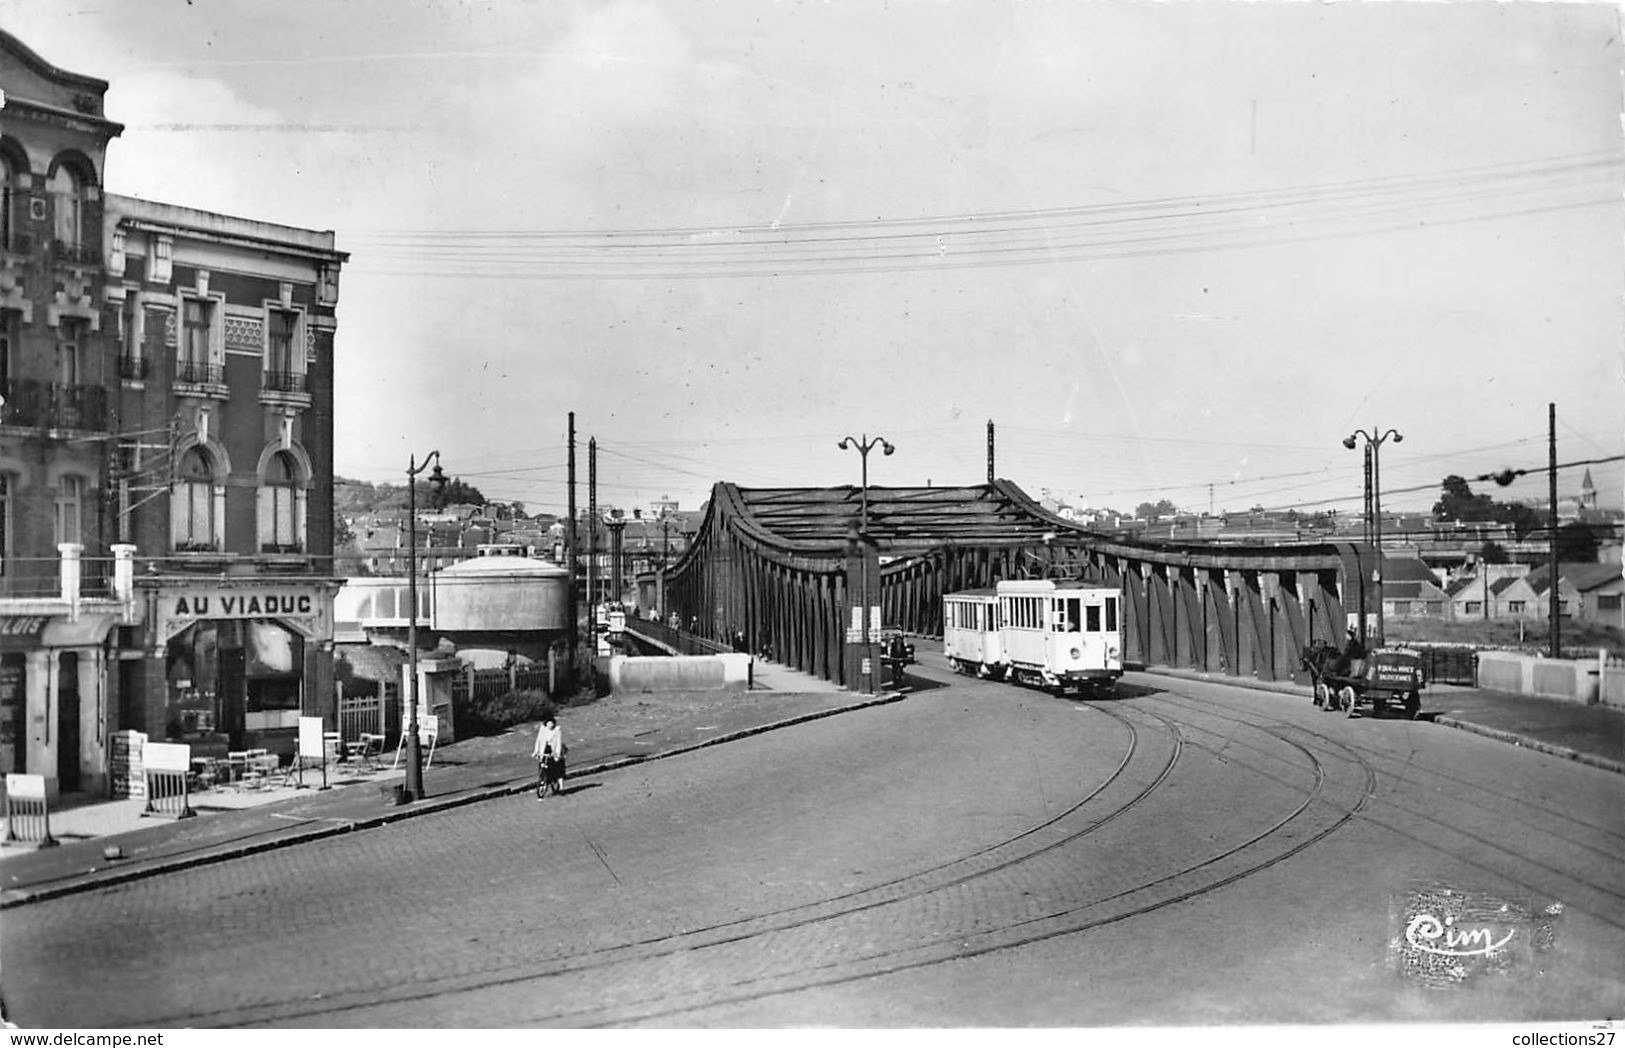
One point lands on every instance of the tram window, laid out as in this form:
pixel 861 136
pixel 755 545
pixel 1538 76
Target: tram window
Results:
pixel 1092 618
pixel 1111 614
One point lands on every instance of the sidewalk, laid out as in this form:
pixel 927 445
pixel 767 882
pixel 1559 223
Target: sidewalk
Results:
pixel 1592 735
pixel 609 733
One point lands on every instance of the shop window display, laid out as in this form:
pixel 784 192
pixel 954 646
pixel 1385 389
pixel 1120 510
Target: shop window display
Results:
pixel 231 677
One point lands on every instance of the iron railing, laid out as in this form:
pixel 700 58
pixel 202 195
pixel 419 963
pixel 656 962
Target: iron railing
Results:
pixel 76 254
pixel 30 402
pixel 197 371
pixel 284 381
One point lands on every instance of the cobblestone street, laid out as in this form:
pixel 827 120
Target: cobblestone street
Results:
pixel 972 855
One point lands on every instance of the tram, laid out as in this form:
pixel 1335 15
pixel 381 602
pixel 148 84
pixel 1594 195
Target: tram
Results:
pixel 1048 633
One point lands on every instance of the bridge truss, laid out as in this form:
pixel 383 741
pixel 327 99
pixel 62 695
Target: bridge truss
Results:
pixel 785 567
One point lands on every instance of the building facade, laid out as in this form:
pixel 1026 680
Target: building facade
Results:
pixel 168 430
pixel 58 614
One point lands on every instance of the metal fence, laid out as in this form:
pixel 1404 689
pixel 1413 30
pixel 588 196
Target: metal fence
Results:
pixel 474 685
pixel 684 643
pixel 364 713
pixel 1448 663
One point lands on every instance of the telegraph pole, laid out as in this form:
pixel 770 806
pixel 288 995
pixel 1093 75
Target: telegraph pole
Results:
pixel 1551 519
pixel 570 545
pixel 592 545
pixel 990 451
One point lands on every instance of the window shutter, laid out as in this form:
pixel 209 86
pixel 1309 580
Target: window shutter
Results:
pixel 299 519
pixel 217 533
pixel 180 509
pixel 266 516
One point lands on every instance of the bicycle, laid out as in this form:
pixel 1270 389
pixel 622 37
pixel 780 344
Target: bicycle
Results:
pixel 549 777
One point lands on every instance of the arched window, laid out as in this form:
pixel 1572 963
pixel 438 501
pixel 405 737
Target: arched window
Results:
pixel 67 192
pixel 70 497
pixel 196 503
pixel 10 201
pixel 282 506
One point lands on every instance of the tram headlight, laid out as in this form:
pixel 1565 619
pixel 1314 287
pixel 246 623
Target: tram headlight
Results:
pixel 1111 653
pixel 1076 654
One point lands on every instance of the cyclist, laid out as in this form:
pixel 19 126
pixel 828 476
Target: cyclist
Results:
pixel 549 753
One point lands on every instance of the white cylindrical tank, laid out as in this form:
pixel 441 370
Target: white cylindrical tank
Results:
pixel 501 589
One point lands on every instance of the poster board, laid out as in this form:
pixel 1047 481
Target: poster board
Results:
pixel 167 756
pixel 311 744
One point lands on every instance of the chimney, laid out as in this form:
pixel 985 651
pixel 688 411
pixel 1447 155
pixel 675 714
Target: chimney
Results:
pixel 70 552
pixel 123 571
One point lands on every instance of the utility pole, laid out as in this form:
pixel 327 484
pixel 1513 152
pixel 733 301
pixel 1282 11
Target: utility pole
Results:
pixel 990 451
pixel 570 545
pixel 592 546
pixel 1551 520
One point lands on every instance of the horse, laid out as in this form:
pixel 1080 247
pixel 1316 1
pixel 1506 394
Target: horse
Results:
pixel 1323 659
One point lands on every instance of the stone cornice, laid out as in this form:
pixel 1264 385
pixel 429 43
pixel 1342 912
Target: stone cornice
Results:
pixel 26 108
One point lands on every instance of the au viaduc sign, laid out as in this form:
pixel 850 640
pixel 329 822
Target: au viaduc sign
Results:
pixel 243 604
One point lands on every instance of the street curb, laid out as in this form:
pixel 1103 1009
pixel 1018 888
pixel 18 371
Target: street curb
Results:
pixel 1533 744
pixel 93 880
pixel 1499 734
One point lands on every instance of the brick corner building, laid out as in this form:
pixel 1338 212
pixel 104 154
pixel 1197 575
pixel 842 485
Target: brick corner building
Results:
pixel 165 455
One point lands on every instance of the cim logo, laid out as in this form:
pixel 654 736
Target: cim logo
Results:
pixel 1442 935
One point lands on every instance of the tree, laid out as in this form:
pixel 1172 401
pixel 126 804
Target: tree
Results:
pixel 1152 510
pixel 1457 502
pixel 1577 542
pixel 343 534
pixel 456 492
pixel 1493 553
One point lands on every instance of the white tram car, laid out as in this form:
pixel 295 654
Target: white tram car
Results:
pixel 1043 632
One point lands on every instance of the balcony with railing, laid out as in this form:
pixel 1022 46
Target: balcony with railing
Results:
pixel 52 406
pixel 284 382
pixel 200 375
pixel 75 254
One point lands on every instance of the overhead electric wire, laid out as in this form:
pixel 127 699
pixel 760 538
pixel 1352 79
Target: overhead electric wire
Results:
pixel 1103 231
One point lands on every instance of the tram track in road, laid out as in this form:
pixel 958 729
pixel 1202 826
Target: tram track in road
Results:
pixel 1220 870
pixel 1530 824
pixel 1137 774
pixel 651 962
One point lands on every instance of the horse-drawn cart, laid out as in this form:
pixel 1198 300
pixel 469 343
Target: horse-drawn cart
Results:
pixel 1380 679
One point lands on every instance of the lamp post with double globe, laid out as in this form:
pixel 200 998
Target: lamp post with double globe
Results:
pixel 863 447
pixel 1374 443
pixel 414 752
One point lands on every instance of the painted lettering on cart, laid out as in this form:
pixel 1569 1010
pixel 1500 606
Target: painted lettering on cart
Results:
pixel 244 605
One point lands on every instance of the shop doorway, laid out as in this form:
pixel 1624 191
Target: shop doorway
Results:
pixel 13 705
pixel 233 688
pixel 67 722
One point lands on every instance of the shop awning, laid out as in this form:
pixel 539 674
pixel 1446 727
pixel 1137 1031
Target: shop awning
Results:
pixel 21 632
pixel 89 631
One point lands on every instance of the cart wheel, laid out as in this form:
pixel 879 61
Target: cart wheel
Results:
pixel 1413 705
pixel 1349 700
pixel 1323 695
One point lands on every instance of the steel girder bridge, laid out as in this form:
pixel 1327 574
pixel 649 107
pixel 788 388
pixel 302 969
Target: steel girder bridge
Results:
pixel 787 569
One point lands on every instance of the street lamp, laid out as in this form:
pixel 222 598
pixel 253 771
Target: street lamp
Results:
pixel 863 447
pixel 414 752
pixel 1373 446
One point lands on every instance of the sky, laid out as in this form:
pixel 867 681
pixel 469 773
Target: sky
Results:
pixel 1171 251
